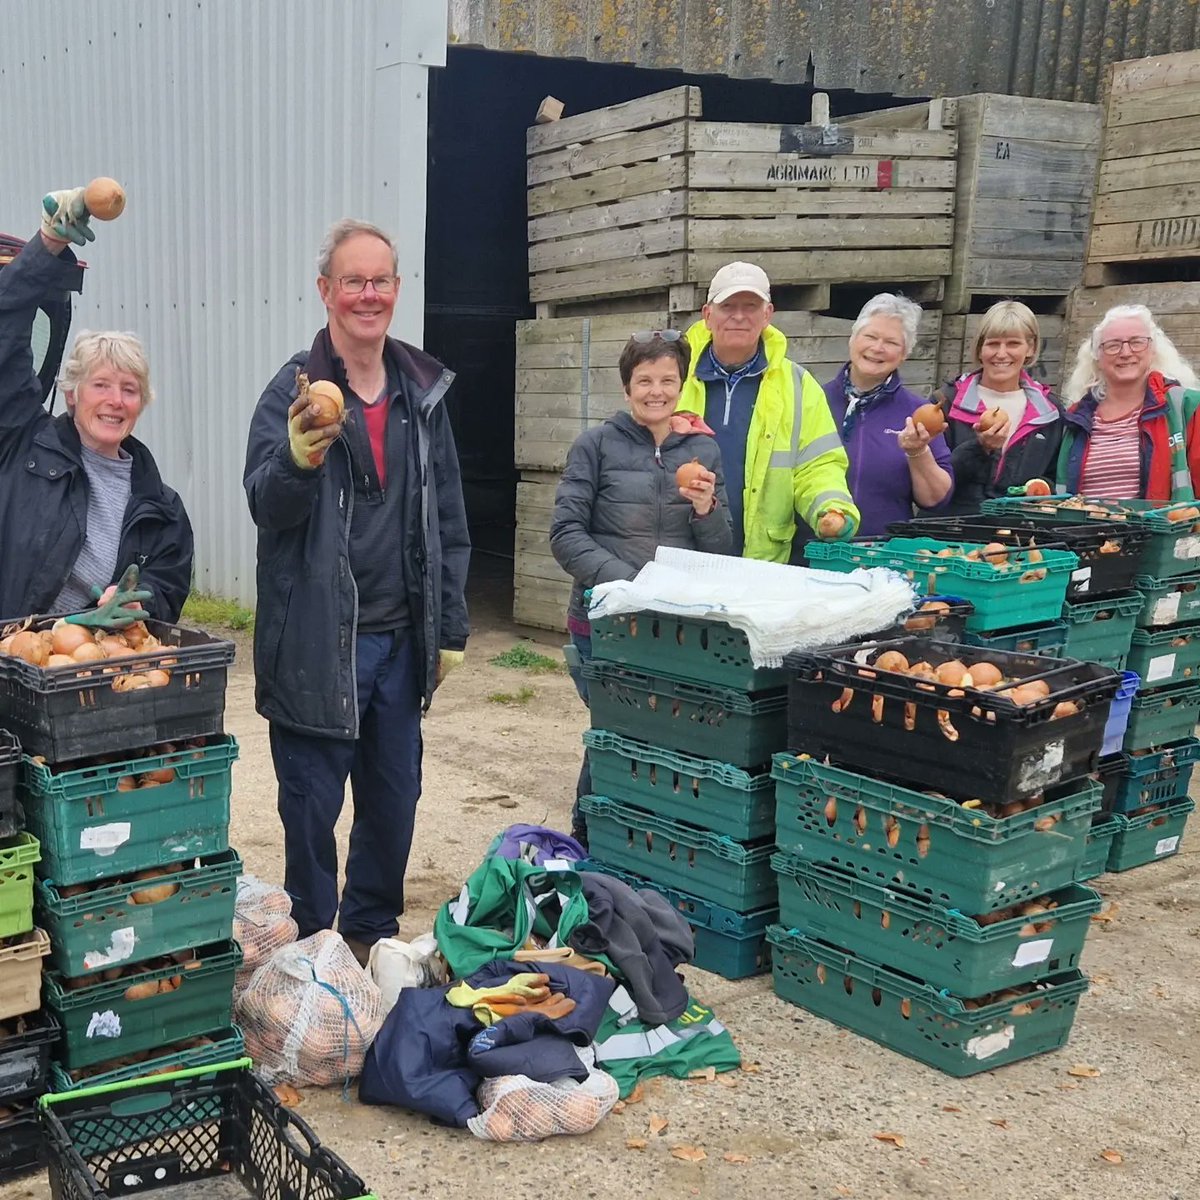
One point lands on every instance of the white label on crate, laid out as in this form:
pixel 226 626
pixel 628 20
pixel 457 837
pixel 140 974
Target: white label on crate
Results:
pixel 105 839
pixel 1166 845
pixel 1161 667
pixel 120 947
pixel 104 1024
pixel 1187 547
pixel 1166 610
pixel 1042 768
pixel 1032 952
pixel 991 1043
pixel 1083 577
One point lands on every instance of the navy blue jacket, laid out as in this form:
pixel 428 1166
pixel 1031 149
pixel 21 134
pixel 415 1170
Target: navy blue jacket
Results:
pixel 307 618
pixel 43 484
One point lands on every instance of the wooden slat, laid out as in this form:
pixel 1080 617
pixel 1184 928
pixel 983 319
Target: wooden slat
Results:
pixel 651 237
pixel 614 183
pixel 594 217
pixel 529 608
pixel 534 565
pixel 556 381
pixel 1016 242
pixel 786 233
pixel 1172 237
pixel 568 404
pixel 836 266
pixel 621 150
pixel 1167 137
pixel 907 116
pixel 895 202
pixel 1180 200
pixel 633 275
pixel 568 354
pixel 558 330
pixel 808 140
pixel 1045 216
pixel 1156 104
pixel 791 172
pixel 1149 170
pixel 996 276
pixel 1061 121
pixel 656 109
pixel 1164 70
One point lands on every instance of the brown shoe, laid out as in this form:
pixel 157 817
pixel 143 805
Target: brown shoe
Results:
pixel 360 950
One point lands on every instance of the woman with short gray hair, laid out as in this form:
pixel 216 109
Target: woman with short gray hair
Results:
pixel 81 500
pixel 894 463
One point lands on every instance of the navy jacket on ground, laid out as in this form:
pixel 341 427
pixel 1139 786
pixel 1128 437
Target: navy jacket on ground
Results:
pixel 307 613
pixel 43 484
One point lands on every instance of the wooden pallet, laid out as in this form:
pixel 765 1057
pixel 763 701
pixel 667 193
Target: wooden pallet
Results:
pixel 1147 207
pixel 541 588
pixel 646 196
pixel 959 332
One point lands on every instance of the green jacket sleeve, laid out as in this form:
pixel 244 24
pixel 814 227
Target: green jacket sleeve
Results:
pixel 819 478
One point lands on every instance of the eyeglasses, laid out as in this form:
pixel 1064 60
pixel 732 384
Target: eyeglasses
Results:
pixel 645 336
pixel 1113 348
pixel 353 285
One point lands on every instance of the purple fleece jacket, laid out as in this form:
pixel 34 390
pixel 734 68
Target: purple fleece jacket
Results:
pixel 879 478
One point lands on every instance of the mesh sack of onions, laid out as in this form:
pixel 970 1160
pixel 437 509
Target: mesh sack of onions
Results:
pixel 262 922
pixel 519 1109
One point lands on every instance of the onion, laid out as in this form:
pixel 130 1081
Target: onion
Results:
pixel 29 646
pixel 66 639
pixel 88 652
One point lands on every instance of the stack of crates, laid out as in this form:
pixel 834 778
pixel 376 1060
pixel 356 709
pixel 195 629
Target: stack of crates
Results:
pixel 27 1031
pixel 127 792
pixel 930 838
pixel 683 730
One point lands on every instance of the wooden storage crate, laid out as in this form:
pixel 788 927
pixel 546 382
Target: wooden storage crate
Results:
pixel 541 588
pixel 1146 208
pixel 960 330
pixel 1176 307
pixel 645 195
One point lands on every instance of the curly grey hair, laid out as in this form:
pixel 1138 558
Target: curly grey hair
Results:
pixel 121 351
pixel 887 304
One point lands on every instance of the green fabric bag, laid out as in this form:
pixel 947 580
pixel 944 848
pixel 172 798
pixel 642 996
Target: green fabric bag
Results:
pixel 629 1049
pixel 501 905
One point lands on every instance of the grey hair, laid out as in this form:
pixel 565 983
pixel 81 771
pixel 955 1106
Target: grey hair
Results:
pixel 1165 358
pixel 121 351
pixel 346 228
pixel 887 304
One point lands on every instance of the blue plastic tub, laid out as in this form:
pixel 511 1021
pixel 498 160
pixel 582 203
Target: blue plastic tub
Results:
pixel 1118 715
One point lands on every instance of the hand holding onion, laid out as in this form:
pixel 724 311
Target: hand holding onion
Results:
pixel 913 439
pixel 697 485
pixel 992 429
pixel 831 524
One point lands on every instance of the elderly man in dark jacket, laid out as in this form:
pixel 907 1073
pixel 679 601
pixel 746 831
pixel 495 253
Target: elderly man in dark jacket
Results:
pixel 362 564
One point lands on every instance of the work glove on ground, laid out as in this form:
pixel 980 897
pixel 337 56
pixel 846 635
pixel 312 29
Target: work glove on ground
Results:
pixel 120 609
pixel 65 217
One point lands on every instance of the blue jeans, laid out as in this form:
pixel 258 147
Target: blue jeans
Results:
pixel 384 768
pixel 583 645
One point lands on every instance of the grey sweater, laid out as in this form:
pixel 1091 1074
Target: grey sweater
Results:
pixel 618 502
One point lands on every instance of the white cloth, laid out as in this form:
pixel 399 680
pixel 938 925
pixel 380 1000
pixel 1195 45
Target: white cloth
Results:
pixel 779 608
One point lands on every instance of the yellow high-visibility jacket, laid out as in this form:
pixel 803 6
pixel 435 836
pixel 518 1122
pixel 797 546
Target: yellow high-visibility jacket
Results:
pixel 795 463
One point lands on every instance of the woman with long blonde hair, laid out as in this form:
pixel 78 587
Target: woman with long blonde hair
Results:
pixel 1131 426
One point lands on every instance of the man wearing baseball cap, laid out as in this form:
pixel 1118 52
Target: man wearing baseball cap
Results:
pixel 780 449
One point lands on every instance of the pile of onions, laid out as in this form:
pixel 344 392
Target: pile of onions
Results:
pixel 65 645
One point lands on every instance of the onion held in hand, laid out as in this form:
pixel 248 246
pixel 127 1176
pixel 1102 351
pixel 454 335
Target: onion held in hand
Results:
pixel 990 419
pixel 690 473
pixel 930 417
pixel 830 524
pixel 105 198
pixel 327 398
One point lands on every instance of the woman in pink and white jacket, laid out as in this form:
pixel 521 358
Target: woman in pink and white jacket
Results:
pixel 1025 432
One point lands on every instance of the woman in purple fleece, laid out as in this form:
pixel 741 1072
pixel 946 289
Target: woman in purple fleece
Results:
pixel 894 464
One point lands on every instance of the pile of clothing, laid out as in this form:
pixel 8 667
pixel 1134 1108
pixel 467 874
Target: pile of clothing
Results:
pixel 567 993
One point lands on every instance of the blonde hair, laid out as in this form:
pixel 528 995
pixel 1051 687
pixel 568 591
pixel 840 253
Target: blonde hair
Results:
pixel 121 351
pixel 1166 359
pixel 1007 317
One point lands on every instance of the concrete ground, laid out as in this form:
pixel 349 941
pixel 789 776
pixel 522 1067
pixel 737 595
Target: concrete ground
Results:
pixel 804 1119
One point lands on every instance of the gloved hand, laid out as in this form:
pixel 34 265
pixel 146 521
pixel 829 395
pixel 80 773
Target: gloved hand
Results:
pixel 120 609
pixel 828 526
pixel 309 444
pixel 65 217
pixel 448 660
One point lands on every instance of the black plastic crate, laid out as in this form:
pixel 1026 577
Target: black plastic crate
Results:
pixel 20 1144
pixel 25 1044
pixel 202 1123
pixel 64 713
pixel 1108 551
pixel 10 765
pixel 944 617
pixel 974 745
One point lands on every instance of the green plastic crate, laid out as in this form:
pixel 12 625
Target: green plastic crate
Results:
pixel 686 648
pixel 17 856
pixel 1150 836
pixel 90 829
pixel 703 864
pixel 926 845
pixel 1166 656
pixel 105 928
pixel 730 944
pixel 1136 780
pixel 1100 630
pixel 1168 601
pixel 225 1045
pixel 697 791
pixel 740 728
pixel 1162 716
pixel 915 1019
pixel 1046 641
pixel 939 945
pixel 100 1023
pixel 1005 596
pixel 1099 843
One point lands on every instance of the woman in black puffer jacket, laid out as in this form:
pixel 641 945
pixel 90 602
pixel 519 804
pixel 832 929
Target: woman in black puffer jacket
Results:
pixel 618 500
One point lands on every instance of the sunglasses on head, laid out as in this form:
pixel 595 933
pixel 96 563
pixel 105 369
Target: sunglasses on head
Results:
pixel 645 336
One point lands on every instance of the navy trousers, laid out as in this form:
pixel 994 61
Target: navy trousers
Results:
pixel 384 768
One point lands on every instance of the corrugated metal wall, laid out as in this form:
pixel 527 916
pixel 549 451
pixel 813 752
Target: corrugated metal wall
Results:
pixel 241 131
pixel 1052 48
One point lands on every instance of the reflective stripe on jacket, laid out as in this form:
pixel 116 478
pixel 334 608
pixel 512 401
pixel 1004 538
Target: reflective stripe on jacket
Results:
pixel 795 462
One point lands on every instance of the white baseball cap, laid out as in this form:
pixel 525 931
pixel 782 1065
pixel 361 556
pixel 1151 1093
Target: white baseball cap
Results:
pixel 737 277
